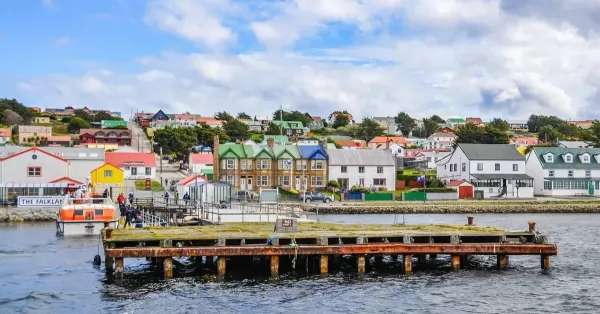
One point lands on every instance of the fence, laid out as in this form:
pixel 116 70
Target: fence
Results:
pixel 353 196
pixel 431 196
pixel 414 196
pixel 379 197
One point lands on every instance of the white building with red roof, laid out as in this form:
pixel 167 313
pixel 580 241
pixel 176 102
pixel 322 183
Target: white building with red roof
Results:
pixel 201 164
pixel 136 166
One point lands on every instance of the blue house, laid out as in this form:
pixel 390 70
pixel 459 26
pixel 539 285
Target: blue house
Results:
pixel 160 116
pixel 314 162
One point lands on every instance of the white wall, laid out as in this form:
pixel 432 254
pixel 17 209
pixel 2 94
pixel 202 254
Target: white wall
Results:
pixel 196 168
pixel 335 173
pixel 15 169
pixel 141 173
pixel 443 168
pixel 533 167
pixel 81 169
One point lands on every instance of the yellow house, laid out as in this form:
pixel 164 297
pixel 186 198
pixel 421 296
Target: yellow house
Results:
pixel 108 177
pixel 41 120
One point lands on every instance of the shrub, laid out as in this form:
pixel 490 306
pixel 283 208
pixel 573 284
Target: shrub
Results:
pixel 333 184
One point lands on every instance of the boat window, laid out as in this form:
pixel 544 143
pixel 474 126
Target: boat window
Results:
pixel 79 212
pixel 99 212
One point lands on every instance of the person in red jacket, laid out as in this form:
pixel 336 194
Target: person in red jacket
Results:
pixel 121 198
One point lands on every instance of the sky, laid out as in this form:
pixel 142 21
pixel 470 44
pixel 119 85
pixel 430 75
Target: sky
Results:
pixel 476 58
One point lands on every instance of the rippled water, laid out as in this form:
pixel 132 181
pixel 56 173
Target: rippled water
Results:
pixel 40 273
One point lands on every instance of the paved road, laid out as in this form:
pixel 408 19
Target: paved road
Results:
pixel 139 141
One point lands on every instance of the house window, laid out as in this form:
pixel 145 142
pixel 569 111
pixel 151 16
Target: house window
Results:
pixel 148 171
pixel 361 169
pixel 108 173
pixel 588 173
pixel 317 165
pixel 497 167
pixel 549 158
pixel 243 165
pixel 134 171
pixel 34 171
pixel 285 164
pixel 570 174
pixel 480 166
pixel 379 169
pixel 229 179
pixel 464 167
pixel 263 180
pixel 379 182
pixel 547 185
pixel 230 164
pixel 289 132
pixel 263 164
pixel 515 167
pixel 300 164
pixel 551 173
pixel 586 158
pixel 316 181
pixel 344 169
pixel 285 181
pixel 569 158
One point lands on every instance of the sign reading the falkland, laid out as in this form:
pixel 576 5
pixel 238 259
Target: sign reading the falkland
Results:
pixel 39 201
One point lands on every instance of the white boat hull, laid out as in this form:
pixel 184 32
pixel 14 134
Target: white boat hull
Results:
pixel 81 228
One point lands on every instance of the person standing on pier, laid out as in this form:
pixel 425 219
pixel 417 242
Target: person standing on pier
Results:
pixel 130 197
pixel 120 198
pixel 128 215
pixel 186 197
pixel 166 197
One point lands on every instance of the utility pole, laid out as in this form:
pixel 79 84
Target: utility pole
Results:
pixel 161 169
pixel 281 119
pixel 138 142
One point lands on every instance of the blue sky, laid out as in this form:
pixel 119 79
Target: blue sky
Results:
pixel 372 57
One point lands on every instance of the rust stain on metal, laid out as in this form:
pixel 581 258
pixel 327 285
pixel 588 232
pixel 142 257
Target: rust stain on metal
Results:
pixel 351 249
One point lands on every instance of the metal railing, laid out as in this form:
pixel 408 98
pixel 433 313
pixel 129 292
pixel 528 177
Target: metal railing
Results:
pixel 152 220
pixel 249 212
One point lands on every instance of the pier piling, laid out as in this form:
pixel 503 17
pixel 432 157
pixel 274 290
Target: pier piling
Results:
pixel 502 261
pixel 407 261
pixel 168 267
pixel 545 261
pixel 274 267
pixel 455 260
pixel 222 266
pixel 119 268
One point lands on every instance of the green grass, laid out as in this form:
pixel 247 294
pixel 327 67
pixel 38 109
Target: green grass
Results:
pixel 141 185
pixel 470 203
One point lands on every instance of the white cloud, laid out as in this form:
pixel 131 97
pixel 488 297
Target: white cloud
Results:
pixel 61 41
pixel 48 3
pixel 472 57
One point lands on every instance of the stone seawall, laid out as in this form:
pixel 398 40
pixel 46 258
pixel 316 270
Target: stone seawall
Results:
pixel 456 209
pixel 27 214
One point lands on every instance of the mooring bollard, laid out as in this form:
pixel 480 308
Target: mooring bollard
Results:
pixel 470 220
pixel 106 224
pixel 531 226
pixel 109 232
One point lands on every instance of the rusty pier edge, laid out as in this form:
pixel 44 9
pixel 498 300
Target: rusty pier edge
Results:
pixel 321 247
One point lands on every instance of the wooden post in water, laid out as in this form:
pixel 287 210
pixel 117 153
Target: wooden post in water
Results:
pixel 545 262
pixel 360 259
pixel 109 261
pixel 221 260
pixel 274 266
pixel 119 268
pixel 407 264
pixel 502 261
pixel 324 260
pixel 455 262
pixel 167 261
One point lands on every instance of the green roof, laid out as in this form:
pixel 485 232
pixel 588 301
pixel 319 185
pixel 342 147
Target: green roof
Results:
pixel 231 150
pixel 252 123
pixel 170 115
pixel 111 124
pixel 286 124
pixel 491 152
pixel 286 152
pixel 258 151
pixel 277 139
pixel 559 162
pixel 456 120
pixel 207 171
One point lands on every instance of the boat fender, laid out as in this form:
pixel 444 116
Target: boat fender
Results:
pixel 97 260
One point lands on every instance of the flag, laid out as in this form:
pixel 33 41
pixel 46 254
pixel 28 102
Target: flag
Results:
pixel 421 179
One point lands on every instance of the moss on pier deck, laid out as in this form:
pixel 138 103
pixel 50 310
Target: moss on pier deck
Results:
pixel 305 230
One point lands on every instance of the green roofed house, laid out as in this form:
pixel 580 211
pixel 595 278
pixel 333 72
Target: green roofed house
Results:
pixel 252 166
pixel 453 122
pixel 277 139
pixel 113 124
pixel 291 128
pixel 560 171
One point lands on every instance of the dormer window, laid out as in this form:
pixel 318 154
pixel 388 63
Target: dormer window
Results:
pixel 568 158
pixel 549 158
pixel 585 158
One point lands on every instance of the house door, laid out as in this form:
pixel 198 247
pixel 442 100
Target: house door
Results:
pixel 298 183
pixel 465 192
pixel 249 182
pixel 242 183
pixel 343 183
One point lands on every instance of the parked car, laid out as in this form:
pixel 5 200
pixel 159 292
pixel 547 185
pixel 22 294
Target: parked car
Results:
pixel 247 196
pixel 315 197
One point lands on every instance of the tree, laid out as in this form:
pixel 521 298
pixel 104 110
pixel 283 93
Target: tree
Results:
pixel 594 134
pixel 340 120
pixel 12 104
pixel 430 126
pixel 224 116
pixel 243 115
pixel 236 129
pixel 105 116
pixel 205 135
pixel 535 122
pixel 437 119
pixel 76 124
pixel 549 134
pixel 404 123
pixel 178 141
pixel 500 124
pixel 273 129
pixel 472 134
pixel 291 116
pixel 368 129
pixel 11 118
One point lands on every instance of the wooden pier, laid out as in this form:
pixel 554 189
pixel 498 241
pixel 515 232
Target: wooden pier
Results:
pixel 321 241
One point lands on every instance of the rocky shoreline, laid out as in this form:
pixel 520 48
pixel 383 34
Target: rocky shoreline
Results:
pixel 15 214
pixel 517 208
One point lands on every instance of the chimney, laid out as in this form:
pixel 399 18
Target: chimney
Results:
pixel 270 142
pixel 323 144
pixel 216 163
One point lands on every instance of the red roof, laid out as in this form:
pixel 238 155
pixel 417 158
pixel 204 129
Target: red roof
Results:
pixel 35 149
pixel 202 158
pixel 189 179
pixel 66 179
pixel 185 116
pixel 59 138
pixel 131 159
pixel 392 139
pixel 209 121
pixel 456 183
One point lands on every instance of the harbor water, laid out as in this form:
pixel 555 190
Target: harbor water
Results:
pixel 40 273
